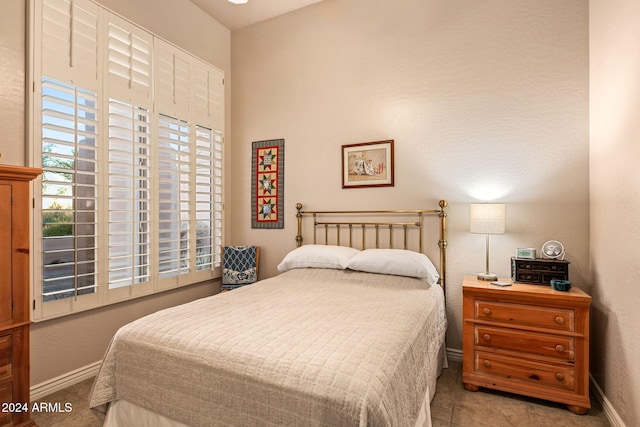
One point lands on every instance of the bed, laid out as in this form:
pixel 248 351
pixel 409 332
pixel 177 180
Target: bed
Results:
pixel 340 338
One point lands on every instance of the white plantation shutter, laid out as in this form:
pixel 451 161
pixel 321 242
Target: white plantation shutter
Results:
pixel 205 199
pixel 129 195
pixel 174 198
pixel 216 190
pixel 69 192
pixel 173 80
pixel 129 92
pixel 209 95
pixel 69 47
pixel 129 131
pixel 129 61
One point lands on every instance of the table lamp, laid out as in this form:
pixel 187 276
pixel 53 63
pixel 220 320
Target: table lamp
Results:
pixel 487 218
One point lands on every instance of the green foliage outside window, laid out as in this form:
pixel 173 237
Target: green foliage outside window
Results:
pixel 57 223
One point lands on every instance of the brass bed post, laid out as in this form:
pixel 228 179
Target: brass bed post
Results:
pixel 443 244
pixel 420 224
pixel 299 218
pixel 315 228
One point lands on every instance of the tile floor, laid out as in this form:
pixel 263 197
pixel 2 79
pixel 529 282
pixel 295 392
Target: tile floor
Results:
pixel 80 416
pixel 452 406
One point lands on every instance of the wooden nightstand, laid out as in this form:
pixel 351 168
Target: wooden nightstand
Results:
pixel 527 339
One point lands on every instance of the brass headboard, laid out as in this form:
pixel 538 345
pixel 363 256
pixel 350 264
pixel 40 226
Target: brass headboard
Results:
pixel 410 219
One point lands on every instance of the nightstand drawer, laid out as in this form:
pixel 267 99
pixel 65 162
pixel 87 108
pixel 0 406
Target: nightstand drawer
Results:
pixel 527 342
pixel 548 375
pixel 529 315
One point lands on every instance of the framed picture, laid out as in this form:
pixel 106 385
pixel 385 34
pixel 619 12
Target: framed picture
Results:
pixel 368 164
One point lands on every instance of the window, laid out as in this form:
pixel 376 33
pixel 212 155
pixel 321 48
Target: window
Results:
pixel 131 197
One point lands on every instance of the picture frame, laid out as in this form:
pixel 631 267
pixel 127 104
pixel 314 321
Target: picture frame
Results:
pixel 368 164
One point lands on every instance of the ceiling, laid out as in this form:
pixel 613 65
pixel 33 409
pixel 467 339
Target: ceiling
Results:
pixel 234 16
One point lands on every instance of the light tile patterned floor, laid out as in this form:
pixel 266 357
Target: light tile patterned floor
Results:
pixel 80 416
pixel 452 406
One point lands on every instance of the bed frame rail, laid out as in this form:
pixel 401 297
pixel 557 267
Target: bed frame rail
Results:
pixel 324 221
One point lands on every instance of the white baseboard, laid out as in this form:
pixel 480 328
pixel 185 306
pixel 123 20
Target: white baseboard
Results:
pixel 607 408
pixel 46 388
pixel 454 354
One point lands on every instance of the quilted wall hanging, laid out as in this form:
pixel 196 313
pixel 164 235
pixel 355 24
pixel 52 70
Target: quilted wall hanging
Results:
pixel 267 184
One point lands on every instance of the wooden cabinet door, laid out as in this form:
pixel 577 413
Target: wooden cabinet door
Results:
pixel 6 295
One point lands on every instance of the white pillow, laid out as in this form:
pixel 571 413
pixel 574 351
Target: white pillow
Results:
pixel 317 256
pixel 399 262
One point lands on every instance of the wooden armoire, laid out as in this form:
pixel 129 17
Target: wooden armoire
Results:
pixel 15 211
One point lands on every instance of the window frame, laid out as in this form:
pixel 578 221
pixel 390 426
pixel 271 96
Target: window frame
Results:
pixel 209 115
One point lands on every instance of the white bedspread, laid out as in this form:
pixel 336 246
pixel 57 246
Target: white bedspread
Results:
pixel 309 347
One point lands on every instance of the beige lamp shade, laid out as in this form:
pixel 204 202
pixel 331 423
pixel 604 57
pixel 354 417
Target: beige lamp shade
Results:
pixel 487 218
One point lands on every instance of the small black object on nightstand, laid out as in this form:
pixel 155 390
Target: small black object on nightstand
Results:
pixel 538 271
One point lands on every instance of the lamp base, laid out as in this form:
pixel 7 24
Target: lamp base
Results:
pixel 487 276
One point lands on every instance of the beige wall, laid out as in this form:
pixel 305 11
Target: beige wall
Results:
pixel 61 346
pixel 483 99
pixel 12 82
pixel 615 202
pixel 64 345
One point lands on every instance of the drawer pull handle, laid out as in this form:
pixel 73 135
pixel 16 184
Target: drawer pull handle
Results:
pixel 559 377
pixel 486 337
pixel 486 311
pixel 486 364
pixel 559 348
pixel 559 320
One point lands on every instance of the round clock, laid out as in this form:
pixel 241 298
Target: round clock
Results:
pixel 553 250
